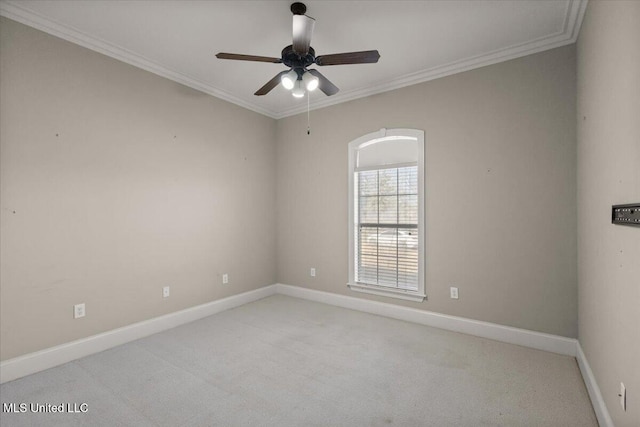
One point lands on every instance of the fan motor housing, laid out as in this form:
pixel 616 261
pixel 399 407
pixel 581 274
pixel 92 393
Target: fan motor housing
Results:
pixel 294 60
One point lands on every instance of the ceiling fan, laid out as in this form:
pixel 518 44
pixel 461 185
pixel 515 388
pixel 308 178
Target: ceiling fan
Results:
pixel 300 55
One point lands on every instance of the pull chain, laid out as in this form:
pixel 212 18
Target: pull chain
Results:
pixel 308 119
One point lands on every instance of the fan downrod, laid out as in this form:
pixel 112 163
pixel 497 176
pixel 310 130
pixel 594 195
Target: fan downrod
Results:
pixel 298 8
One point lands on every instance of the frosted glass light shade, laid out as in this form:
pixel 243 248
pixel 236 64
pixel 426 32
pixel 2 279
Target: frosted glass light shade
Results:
pixel 311 82
pixel 298 90
pixel 289 80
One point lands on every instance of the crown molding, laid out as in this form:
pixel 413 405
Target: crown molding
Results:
pixel 574 15
pixel 18 13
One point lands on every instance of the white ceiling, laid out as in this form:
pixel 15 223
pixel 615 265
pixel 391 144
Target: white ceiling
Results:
pixel 417 40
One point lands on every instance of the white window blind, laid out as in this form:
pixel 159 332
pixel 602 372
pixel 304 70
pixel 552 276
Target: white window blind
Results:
pixel 386 214
pixel 386 232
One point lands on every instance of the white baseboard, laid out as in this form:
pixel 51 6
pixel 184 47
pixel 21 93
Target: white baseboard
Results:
pixel 48 358
pixel 523 337
pixel 600 408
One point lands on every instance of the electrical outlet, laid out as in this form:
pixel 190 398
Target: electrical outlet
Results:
pixel 225 278
pixel 623 397
pixel 165 292
pixel 78 311
pixel 312 272
pixel 454 292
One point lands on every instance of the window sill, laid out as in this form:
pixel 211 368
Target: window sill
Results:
pixel 415 296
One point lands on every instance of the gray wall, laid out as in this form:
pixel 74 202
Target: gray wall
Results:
pixel 608 136
pixel 123 182
pixel 500 184
pixel 116 182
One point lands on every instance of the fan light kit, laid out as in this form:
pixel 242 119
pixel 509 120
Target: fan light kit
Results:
pixel 289 79
pixel 298 90
pixel 299 56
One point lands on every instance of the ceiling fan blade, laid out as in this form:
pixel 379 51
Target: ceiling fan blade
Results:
pixel 239 57
pixel 364 57
pixel 325 85
pixel 270 84
pixel 302 32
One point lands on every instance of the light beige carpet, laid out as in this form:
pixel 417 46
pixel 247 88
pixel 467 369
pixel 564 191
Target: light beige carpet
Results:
pixel 283 361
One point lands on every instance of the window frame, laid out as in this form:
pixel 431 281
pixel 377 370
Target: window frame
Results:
pixel 385 135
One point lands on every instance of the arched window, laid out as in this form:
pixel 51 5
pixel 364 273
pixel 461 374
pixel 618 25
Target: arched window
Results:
pixel 386 214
